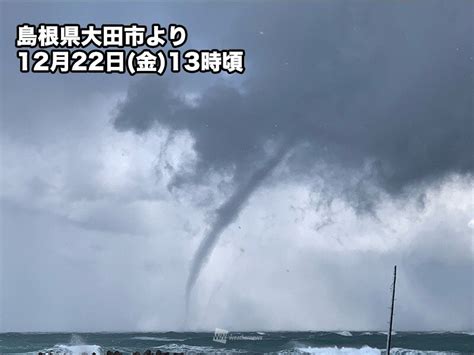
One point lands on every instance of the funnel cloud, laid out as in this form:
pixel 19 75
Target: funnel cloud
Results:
pixel 227 213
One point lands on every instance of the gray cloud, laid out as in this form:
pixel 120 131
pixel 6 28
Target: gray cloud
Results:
pixel 354 84
pixel 377 100
pixel 364 82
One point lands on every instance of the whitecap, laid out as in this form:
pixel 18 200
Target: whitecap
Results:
pixel 344 333
pixel 386 333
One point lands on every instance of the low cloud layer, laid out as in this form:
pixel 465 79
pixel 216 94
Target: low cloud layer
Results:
pixel 359 82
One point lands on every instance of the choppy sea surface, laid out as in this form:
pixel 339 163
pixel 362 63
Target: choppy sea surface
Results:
pixel 341 342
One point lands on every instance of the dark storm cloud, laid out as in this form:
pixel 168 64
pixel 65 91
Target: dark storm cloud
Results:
pixel 386 82
pixel 350 83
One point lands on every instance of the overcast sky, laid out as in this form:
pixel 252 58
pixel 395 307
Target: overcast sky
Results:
pixel 345 148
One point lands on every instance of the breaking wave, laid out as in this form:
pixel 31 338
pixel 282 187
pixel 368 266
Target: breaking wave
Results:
pixel 72 349
pixel 76 346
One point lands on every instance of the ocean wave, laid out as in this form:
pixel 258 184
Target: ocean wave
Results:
pixel 62 349
pixel 72 349
pixel 366 350
pixel 158 338
pixel 386 333
pixel 400 351
pixel 471 333
pixel 344 333
pixel 194 349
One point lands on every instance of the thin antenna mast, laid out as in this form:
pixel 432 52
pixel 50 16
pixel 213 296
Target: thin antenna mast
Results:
pixel 389 335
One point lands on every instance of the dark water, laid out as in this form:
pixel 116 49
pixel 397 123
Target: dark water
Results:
pixel 248 342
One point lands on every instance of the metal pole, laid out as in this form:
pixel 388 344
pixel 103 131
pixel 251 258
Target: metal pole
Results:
pixel 389 335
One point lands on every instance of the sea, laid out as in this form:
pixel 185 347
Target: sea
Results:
pixel 223 342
